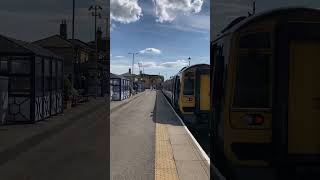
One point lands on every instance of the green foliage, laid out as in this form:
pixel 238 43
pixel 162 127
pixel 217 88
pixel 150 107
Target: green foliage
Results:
pixel 74 92
pixel 162 78
pixel 67 88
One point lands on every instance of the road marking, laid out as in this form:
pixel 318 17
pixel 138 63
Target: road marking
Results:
pixel 165 167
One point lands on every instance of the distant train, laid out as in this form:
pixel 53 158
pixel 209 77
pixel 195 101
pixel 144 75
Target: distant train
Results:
pixel 266 92
pixel 189 93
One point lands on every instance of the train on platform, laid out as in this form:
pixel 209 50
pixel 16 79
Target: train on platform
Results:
pixel 189 93
pixel 265 92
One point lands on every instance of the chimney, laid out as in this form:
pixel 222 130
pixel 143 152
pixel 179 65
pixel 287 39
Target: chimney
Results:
pixel 63 29
pixel 129 70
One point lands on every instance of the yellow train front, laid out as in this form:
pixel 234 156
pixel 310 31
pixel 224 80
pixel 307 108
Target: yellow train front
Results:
pixel 266 93
pixel 189 93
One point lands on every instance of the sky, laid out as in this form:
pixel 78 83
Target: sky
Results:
pixel 224 11
pixel 165 33
pixel 31 20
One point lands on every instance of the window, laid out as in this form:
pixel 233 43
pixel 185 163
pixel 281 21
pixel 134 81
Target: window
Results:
pixel 256 40
pixel 189 84
pixel 20 85
pixel 20 65
pixel 47 77
pixel 253 82
pixel 39 76
pixel 3 65
pixel 54 75
pixel 60 74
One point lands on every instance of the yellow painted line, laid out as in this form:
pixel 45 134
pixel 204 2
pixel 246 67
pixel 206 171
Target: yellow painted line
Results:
pixel 165 167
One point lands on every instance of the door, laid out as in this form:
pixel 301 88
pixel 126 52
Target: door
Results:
pixel 176 91
pixel 204 92
pixel 304 98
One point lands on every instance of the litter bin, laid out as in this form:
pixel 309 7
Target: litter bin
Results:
pixel 3 99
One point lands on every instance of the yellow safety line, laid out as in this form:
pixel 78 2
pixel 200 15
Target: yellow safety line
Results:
pixel 165 167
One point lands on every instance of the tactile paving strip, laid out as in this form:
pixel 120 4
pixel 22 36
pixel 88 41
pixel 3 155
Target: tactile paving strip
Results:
pixel 165 167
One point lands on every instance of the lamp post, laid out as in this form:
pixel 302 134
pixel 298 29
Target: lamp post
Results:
pixel 133 53
pixel 189 59
pixel 132 77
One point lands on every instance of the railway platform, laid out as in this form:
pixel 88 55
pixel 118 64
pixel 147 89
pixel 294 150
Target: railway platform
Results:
pixel 178 155
pixel 149 141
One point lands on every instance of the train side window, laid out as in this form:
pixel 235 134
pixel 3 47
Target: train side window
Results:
pixel 253 82
pixel 189 84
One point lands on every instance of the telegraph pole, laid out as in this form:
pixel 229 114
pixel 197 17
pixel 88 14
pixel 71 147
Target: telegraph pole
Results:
pixel 139 64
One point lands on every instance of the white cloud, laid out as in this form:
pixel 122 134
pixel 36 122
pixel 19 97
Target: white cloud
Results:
pixel 119 56
pixel 119 69
pixel 151 51
pixel 149 64
pixel 190 23
pixel 167 10
pixel 174 64
pixel 125 11
pixel 112 27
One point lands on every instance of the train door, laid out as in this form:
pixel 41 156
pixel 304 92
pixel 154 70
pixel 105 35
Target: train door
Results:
pixel 176 91
pixel 296 122
pixel 217 68
pixel 304 98
pixel 202 95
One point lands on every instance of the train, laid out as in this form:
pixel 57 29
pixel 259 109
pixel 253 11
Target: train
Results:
pixel 189 93
pixel 265 93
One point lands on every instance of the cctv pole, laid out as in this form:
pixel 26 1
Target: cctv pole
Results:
pixel 96 14
pixel 73 16
pixel 254 7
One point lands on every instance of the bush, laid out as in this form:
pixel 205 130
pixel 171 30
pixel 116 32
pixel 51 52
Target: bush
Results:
pixel 74 92
pixel 67 88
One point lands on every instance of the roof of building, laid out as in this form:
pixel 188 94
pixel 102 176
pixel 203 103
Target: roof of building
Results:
pixel 54 41
pixel 128 74
pixel 78 42
pixel 115 76
pixel 10 45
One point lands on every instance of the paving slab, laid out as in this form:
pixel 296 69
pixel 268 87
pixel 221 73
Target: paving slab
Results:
pixel 188 161
pixel 191 170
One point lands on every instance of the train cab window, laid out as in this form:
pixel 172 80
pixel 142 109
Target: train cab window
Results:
pixel 253 81
pixel 189 84
pixel 256 40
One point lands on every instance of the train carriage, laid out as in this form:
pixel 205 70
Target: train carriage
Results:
pixel 188 92
pixel 266 91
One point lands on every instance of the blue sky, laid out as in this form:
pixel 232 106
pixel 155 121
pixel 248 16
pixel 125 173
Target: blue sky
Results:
pixel 165 34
